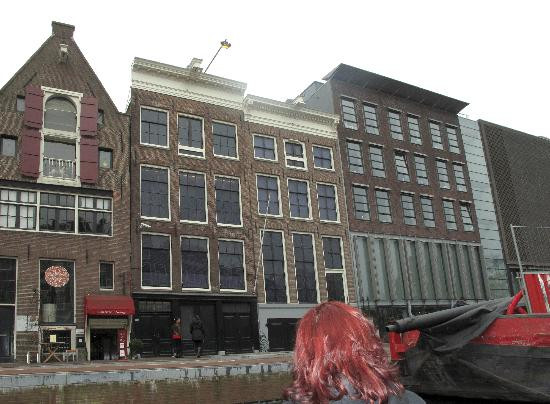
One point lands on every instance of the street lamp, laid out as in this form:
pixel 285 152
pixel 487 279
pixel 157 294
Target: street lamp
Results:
pixel 223 44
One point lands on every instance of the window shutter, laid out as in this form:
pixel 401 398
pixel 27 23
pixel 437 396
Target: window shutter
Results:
pixel 30 152
pixel 89 155
pixel 34 98
pixel 88 116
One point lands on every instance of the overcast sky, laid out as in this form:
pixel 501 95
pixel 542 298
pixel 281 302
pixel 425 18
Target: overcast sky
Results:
pixel 492 54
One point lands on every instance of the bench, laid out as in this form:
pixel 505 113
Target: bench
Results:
pixel 70 353
pixel 30 354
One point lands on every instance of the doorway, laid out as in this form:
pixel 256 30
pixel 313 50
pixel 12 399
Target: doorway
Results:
pixel 207 313
pixel 7 318
pixel 103 344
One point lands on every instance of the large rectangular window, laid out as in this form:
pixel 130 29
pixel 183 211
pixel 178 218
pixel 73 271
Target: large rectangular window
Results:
pixel 94 215
pixel 304 262
pixel 154 193
pixel 334 268
pixel 322 157
pixel 459 177
pixel 407 203
pixel 295 155
pixel 435 131
pixel 194 263
pixel 401 166
pixel 377 161
pixel 421 170
pixel 348 114
pixel 56 292
pixel 225 140
pixel 355 158
pixel 155 261
pixel 371 120
pixel 17 209
pixel 383 205
pixel 298 197
pixel 231 262
pixel 466 214
pixel 57 212
pixel 442 174
pixel 8 276
pixel 326 197
pixel 265 148
pixel 193 197
pixel 154 127
pixel 361 202
pixel 427 211
pixel 228 201
pixel 190 136
pixel 274 267
pixel 268 195
pixel 106 276
pixel 449 212
pixel 394 118
pixel 414 130
pixel 452 137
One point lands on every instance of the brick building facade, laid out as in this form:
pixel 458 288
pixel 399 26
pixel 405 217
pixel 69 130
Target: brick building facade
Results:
pixel 64 197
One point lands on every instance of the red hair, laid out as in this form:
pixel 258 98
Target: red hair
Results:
pixel 336 346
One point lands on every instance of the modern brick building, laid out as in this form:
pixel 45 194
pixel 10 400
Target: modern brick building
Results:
pixel 216 175
pixel 64 197
pixel 413 225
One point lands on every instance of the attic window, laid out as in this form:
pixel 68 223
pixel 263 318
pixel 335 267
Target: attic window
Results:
pixel 20 104
pixel 100 117
pixel 60 114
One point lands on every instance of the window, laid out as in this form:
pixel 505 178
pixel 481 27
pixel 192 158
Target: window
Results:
pixel 106 277
pixel 194 263
pixel 466 215
pixel 231 262
pixel 60 114
pixel 295 155
pixel 394 118
pixel 414 130
pixel 20 104
pixel 371 121
pixel 355 158
pixel 7 146
pixel 449 212
pixel 268 195
pixel 383 205
pixel 190 136
pixel 225 140
pixel 427 211
pixel 265 148
pixel 407 203
pixel 57 212
pixel 348 114
pixel 59 160
pixel 193 197
pixel 421 170
pixel 459 177
pixel 105 158
pixel 94 215
pixel 322 157
pixel 17 209
pixel 334 268
pixel 401 166
pixel 435 131
pixel 155 261
pixel 100 117
pixel 453 140
pixel 274 267
pixel 326 197
pixel 56 303
pixel 361 202
pixel 8 276
pixel 228 201
pixel 442 174
pixel 298 196
pixel 154 127
pixel 377 161
pixel 304 263
pixel 154 193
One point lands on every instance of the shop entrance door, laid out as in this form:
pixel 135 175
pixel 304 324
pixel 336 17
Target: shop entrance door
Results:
pixel 7 318
pixel 237 328
pixel 207 313
pixel 103 344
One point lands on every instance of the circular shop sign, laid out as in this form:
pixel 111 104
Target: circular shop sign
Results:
pixel 56 276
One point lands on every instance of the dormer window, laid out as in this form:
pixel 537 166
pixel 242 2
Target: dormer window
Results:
pixel 60 114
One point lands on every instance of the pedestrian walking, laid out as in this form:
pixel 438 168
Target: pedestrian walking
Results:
pixel 176 338
pixel 197 334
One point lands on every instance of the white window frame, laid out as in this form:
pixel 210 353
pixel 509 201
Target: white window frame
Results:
pixel 336 271
pixel 303 159
pixel 315 266
pixel 274 146
pixel 205 197
pixel 221 156
pixel 192 149
pixel 308 199
pixel 160 219
pixel 244 266
pixel 182 236
pixel 285 266
pixel 141 262
pixel 240 201
pixel 331 157
pixel 141 107
pixel 99 267
pixel 47 326
pixel 335 200
pixel 278 193
pixel 14 304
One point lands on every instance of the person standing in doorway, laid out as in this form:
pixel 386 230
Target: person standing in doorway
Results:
pixel 176 338
pixel 197 334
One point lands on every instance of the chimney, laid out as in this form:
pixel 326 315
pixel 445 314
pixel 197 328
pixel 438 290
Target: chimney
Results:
pixel 64 31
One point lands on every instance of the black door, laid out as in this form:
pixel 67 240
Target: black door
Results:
pixel 7 318
pixel 237 328
pixel 207 313
pixel 282 333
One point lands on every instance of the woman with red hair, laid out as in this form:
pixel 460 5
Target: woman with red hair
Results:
pixel 338 358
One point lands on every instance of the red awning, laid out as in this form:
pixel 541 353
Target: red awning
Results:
pixel 103 305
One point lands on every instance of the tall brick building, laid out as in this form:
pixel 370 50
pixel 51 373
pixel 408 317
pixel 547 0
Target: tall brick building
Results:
pixel 64 197
pixel 413 227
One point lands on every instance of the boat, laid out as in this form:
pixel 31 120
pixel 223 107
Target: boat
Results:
pixel 493 350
